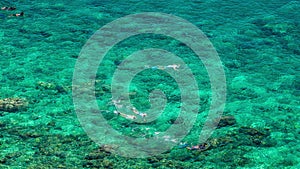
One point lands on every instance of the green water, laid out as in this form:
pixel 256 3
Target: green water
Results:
pixel 257 42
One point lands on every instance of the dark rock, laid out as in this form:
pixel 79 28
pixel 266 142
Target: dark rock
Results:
pixel 226 121
pixel 253 131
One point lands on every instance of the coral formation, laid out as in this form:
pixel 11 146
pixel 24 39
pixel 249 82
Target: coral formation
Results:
pixel 51 86
pixel 13 104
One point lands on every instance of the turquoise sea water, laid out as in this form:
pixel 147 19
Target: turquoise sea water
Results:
pixel 257 42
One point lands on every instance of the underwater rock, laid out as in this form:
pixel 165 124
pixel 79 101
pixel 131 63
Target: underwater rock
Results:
pixel 51 86
pixel 255 137
pixel 13 104
pixel 226 121
pixel 254 132
pixel 98 158
pixel 46 85
pixel 221 141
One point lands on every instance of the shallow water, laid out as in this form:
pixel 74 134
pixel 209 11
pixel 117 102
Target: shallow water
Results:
pixel 258 45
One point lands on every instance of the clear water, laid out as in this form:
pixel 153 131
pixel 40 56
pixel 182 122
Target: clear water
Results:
pixel 257 42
